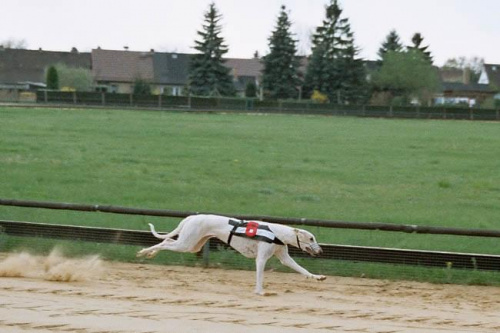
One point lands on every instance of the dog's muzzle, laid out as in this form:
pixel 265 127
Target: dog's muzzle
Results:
pixel 314 249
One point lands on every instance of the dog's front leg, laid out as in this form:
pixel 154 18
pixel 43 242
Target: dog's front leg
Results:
pixel 260 265
pixel 288 261
pixel 264 252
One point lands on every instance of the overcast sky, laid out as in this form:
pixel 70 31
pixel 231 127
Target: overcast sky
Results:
pixel 452 28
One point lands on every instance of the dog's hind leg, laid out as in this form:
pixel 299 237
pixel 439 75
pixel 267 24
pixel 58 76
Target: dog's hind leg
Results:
pixel 167 244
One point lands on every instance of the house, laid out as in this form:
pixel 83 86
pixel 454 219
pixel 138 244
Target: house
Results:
pixel 116 71
pixel 457 88
pixel 171 72
pixel 245 71
pixel 167 73
pixel 23 71
pixel 472 94
pixel 19 66
pixel 490 75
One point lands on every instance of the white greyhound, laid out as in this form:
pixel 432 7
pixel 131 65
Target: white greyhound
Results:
pixel 259 240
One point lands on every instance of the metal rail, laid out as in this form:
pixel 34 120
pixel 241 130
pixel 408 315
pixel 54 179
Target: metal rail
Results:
pixel 407 228
pixel 330 251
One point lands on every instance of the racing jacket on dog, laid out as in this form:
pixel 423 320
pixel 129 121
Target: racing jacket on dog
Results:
pixel 252 230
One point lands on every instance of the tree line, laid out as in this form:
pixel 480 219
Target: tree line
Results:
pixel 333 72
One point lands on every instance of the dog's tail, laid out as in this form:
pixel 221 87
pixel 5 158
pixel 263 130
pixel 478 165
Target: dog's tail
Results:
pixel 157 235
pixel 171 234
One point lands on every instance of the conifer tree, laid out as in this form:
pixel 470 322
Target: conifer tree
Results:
pixel 392 43
pixel 333 67
pixel 417 40
pixel 207 74
pixel 52 79
pixel 280 77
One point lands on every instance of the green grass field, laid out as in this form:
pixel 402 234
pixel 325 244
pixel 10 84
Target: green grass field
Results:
pixel 442 173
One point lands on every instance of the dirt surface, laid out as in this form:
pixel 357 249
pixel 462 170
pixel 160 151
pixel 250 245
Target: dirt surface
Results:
pixel 117 297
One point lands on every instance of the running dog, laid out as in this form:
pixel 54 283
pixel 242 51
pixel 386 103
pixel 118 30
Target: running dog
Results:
pixel 253 239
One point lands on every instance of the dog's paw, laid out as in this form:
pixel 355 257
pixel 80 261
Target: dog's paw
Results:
pixel 151 255
pixel 265 293
pixel 319 277
pixel 141 253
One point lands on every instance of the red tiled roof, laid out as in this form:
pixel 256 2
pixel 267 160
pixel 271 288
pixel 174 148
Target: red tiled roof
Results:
pixel 245 67
pixel 122 66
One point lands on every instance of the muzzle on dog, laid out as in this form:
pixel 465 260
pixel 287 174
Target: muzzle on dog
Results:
pixel 313 249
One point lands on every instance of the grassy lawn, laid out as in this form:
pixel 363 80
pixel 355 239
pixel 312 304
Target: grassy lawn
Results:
pixel 442 173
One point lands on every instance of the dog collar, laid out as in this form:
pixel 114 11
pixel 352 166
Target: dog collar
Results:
pixel 298 243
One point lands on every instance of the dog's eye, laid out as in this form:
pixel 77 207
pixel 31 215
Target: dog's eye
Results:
pixel 311 239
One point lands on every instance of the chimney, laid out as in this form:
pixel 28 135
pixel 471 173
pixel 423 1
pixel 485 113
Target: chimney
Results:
pixel 466 75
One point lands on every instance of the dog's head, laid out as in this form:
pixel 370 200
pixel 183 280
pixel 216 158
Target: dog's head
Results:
pixel 307 242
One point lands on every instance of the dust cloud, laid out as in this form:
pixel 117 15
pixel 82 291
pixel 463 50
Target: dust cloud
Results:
pixel 54 267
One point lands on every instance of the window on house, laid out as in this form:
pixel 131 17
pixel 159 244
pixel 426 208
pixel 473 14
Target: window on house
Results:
pixel 176 91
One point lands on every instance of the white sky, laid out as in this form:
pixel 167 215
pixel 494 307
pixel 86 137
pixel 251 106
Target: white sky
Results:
pixel 452 28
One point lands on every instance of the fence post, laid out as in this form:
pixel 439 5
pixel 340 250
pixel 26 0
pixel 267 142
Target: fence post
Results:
pixel 74 97
pixel 131 99
pixel 159 101
pixel 206 254
pixel 498 114
pixel 103 98
pixel 45 96
pixel 471 114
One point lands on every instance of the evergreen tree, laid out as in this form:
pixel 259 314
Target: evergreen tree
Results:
pixel 417 40
pixel 334 68
pixel 52 78
pixel 280 77
pixel 142 87
pixel 391 43
pixel 251 90
pixel 354 87
pixel 207 74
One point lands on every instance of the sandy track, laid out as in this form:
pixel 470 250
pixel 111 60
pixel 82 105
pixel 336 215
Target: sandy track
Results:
pixel 148 298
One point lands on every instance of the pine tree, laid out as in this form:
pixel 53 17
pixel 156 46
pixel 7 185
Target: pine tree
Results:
pixel 280 77
pixel 354 87
pixel 207 74
pixel 333 67
pixel 391 43
pixel 52 79
pixel 417 40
